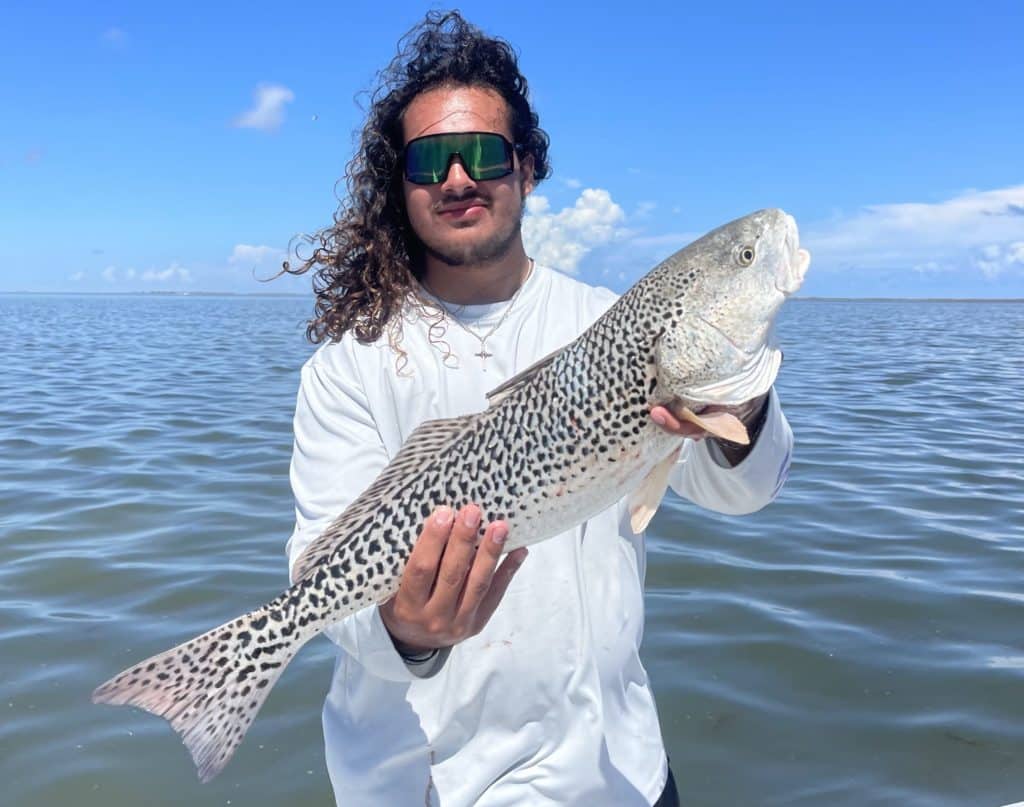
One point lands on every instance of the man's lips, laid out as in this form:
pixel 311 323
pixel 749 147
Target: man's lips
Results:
pixel 459 209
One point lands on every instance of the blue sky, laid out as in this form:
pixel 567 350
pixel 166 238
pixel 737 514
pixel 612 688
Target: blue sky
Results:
pixel 182 147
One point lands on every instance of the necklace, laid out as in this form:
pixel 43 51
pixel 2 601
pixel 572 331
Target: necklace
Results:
pixel 454 317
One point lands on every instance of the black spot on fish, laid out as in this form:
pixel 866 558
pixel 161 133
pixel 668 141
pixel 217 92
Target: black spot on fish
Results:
pixel 260 623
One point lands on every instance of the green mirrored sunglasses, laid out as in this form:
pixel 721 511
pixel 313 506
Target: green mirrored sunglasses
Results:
pixel 484 155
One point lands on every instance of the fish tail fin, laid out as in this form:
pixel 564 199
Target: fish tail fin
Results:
pixel 210 688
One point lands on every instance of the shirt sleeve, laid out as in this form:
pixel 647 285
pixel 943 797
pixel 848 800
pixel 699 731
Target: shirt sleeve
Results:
pixel 338 452
pixel 702 476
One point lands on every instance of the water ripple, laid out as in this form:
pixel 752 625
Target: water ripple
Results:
pixel 856 643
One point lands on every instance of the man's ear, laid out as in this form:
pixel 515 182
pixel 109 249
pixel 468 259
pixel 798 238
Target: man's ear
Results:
pixel 526 175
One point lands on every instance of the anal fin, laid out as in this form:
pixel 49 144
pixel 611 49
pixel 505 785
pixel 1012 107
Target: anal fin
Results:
pixel 644 501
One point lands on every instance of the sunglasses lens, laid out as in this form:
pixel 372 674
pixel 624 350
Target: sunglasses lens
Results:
pixel 484 155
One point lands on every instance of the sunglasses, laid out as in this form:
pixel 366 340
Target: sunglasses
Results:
pixel 484 155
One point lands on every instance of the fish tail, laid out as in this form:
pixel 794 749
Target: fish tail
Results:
pixel 210 688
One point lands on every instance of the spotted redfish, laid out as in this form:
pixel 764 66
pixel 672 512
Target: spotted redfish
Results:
pixel 558 443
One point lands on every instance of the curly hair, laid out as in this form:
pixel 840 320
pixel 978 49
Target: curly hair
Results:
pixel 367 263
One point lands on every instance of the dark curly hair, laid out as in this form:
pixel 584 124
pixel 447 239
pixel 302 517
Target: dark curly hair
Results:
pixel 368 261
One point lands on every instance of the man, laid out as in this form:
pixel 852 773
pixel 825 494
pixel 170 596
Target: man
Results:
pixel 483 681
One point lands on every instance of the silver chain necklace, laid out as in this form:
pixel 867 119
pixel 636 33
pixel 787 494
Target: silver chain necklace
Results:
pixel 454 317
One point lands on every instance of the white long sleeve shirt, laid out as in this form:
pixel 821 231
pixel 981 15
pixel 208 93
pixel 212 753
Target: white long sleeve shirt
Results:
pixel 549 704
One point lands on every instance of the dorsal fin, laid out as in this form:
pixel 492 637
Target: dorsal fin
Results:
pixel 520 379
pixel 429 440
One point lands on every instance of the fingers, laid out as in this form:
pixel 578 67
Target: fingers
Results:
pixel 499 582
pixel 479 580
pixel 670 423
pixel 450 586
pixel 421 569
pixel 457 559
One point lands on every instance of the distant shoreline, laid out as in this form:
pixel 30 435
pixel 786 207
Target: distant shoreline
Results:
pixel 912 299
pixel 155 294
pixel 294 295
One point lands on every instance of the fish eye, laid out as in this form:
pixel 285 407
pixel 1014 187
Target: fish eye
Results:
pixel 745 256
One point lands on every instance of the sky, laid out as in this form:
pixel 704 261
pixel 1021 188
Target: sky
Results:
pixel 189 147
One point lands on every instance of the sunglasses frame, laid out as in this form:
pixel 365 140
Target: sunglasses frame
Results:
pixel 510 152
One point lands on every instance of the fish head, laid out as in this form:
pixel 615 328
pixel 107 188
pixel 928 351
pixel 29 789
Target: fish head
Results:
pixel 724 291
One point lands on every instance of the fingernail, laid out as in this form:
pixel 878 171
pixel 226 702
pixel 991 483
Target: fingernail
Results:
pixel 471 517
pixel 443 516
pixel 500 534
pixel 659 418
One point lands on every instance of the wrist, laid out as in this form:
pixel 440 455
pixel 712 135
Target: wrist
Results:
pixel 410 653
pixel 419 657
pixel 413 655
pixel 406 650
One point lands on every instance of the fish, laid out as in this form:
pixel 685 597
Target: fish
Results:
pixel 558 443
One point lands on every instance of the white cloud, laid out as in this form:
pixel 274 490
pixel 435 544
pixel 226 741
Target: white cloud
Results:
pixel 172 272
pixel 113 274
pixel 267 112
pixel 645 209
pixel 995 259
pixel 78 276
pixel 572 182
pixel 562 239
pixel 976 229
pixel 247 255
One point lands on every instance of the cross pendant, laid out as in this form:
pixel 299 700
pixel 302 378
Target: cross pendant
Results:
pixel 484 355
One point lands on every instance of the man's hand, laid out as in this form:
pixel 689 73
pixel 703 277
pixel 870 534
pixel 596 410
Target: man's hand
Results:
pixel 451 585
pixel 751 413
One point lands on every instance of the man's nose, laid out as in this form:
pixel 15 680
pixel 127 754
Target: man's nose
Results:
pixel 457 182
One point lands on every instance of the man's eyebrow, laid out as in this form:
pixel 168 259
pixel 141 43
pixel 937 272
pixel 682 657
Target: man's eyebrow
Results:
pixel 445 117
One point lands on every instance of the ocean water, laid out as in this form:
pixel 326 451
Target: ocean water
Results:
pixel 858 642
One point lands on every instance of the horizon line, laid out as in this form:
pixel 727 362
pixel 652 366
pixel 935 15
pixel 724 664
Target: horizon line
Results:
pixel 808 298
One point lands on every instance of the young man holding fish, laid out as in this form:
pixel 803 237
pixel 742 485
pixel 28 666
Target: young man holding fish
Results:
pixel 483 680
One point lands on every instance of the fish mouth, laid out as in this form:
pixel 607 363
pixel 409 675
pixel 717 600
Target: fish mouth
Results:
pixel 791 274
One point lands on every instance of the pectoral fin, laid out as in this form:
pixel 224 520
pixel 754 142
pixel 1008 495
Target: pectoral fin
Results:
pixel 644 501
pixel 720 424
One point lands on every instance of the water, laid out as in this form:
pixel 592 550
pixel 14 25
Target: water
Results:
pixel 859 642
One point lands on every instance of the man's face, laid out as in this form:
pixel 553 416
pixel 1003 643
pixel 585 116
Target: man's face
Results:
pixel 459 220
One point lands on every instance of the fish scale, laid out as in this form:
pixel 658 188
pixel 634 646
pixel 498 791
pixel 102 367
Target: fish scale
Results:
pixel 558 443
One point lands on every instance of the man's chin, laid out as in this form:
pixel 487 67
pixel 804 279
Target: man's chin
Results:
pixel 471 253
